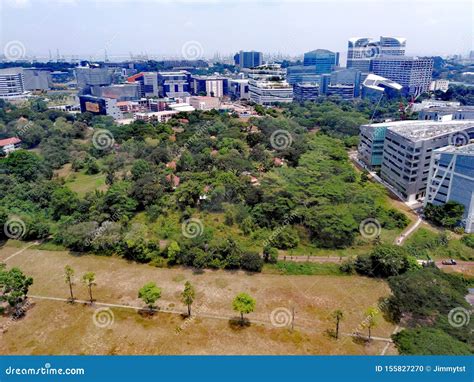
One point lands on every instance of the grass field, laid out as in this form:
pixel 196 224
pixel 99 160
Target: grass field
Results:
pixel 56 327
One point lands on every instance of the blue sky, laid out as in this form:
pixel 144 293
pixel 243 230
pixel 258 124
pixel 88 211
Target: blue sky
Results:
pixel 162 27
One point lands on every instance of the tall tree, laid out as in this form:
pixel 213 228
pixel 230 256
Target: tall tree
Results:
pixel 69 278
pixel 149 293
pixel 371 320
pixel 187 297
pixel 244 304
pixel 14 285
pixel 89 280
pixel 338 316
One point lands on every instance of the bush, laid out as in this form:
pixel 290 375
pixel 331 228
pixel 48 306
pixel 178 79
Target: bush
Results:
pixel 429 341
pixel 468 240
pixel 251 261
pixel 287 238
pixel 384 261
pixel 270 255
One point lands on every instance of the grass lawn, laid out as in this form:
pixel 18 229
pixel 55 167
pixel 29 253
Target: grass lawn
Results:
pixel 425 241
pixel 82 183
pixel 55 327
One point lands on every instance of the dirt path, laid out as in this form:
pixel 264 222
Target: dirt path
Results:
pixel 200 314
pixel 311 259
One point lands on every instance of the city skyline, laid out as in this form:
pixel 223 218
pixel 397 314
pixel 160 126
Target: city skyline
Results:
pixel 90 28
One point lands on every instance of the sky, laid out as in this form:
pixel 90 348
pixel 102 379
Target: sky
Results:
pixel 195 28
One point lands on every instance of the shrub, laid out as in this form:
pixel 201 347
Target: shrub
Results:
pixel 251 261
pixel 468 240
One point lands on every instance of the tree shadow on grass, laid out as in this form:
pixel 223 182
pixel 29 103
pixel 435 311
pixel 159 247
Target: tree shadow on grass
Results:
pixel 148 313
pixel 235 323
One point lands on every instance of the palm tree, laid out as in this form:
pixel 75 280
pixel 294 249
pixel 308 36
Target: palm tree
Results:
pixel 89 280
pixel 338 316
pixel 68 277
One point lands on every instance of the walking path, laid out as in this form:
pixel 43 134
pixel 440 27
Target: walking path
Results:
pixel 400 239
pixel 21 250
pixel 200 314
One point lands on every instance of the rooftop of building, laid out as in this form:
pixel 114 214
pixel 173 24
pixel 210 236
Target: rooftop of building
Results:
pixel 401 58
pixel 465 150
pixel 307 85
pixel 422 130
pixel 11 71
pixel 448 109
pixel 374 81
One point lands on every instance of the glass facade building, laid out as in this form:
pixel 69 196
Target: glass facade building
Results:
pixel 452 179
pixel 324 60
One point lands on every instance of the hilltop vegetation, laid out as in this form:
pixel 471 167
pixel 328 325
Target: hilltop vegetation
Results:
pixel 270 181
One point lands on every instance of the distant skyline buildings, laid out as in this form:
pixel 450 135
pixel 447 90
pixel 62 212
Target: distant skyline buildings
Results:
pixel 90 28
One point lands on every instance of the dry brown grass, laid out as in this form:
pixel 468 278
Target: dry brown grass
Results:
pixel 55 327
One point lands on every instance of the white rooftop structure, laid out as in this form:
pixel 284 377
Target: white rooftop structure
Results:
pixel 425 130
pixel 374 81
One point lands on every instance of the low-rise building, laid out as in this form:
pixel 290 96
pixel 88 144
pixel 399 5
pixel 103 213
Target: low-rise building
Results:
pixel 447 113
pixel 204 103
pixel 12 83
pixel 306 92
pixel 270 92
pixel 9 145
pixel 239 89
pixel 451 178
pixel 158 116
pixel 100 106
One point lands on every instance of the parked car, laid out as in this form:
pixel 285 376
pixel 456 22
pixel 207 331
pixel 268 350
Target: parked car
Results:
pixel 449 262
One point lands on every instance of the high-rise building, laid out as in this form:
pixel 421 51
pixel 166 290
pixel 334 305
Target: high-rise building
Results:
pixel 11 83
pixel 408 149
pixel 248 59
pixel 268 85
pixel 413 73
pixel 324 60
pixel 451 178
pixel 392 46
pixel 361 50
